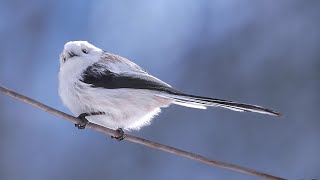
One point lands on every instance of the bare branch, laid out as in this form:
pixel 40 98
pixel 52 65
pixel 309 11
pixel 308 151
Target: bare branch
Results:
pixel 135 139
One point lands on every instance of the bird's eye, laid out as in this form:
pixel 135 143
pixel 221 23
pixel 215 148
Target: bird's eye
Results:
pixel 63 60
pixel 85 51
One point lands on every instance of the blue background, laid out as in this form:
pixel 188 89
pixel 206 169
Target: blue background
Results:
pixel 260 52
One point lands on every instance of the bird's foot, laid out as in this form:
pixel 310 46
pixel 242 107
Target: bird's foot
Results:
pixel 85 122
pixel 121 136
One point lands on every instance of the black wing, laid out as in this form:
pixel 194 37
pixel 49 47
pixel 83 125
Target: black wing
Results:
pixel 98 76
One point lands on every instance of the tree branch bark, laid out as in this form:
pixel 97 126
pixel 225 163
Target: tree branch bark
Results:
pixel 137 140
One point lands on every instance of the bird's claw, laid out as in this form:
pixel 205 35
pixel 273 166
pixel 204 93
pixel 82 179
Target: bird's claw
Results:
pixel 82 125
pixel 84 122
pixel 121 136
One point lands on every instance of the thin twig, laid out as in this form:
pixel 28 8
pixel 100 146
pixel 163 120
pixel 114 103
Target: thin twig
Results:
pixel 137 139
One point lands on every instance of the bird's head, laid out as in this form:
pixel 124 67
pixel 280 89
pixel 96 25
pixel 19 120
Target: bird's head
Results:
pixel 79 51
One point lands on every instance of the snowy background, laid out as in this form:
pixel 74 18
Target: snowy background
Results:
pixel 260 52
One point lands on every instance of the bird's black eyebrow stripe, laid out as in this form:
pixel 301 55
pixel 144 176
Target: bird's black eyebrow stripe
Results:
pixel 98 76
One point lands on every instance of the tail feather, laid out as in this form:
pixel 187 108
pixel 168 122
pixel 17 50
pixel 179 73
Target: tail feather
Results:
pixel 202 102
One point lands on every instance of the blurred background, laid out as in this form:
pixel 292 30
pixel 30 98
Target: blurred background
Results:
pixel 258 52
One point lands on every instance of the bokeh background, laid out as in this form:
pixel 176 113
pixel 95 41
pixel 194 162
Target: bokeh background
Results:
pixel 260 52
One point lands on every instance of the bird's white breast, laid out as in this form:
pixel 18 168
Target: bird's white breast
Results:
pixel 124 108
pixel 69 75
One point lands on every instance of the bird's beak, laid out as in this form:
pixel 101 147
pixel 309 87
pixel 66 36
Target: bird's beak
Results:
pixel 71 54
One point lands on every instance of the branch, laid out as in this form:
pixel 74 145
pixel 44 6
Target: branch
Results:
pixel 135 139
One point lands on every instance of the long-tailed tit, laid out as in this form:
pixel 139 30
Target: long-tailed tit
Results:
pixel 114 92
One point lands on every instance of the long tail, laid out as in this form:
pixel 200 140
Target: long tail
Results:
pixel 202 102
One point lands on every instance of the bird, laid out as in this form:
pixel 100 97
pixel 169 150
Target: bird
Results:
pixel 112 91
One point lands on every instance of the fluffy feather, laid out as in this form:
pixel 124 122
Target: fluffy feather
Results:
pixel 92 80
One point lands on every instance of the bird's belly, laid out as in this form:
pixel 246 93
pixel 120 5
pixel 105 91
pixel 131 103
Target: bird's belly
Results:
pixel 70 98
pixel 123 108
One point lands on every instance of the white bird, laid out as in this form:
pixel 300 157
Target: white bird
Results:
pixel 114 92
